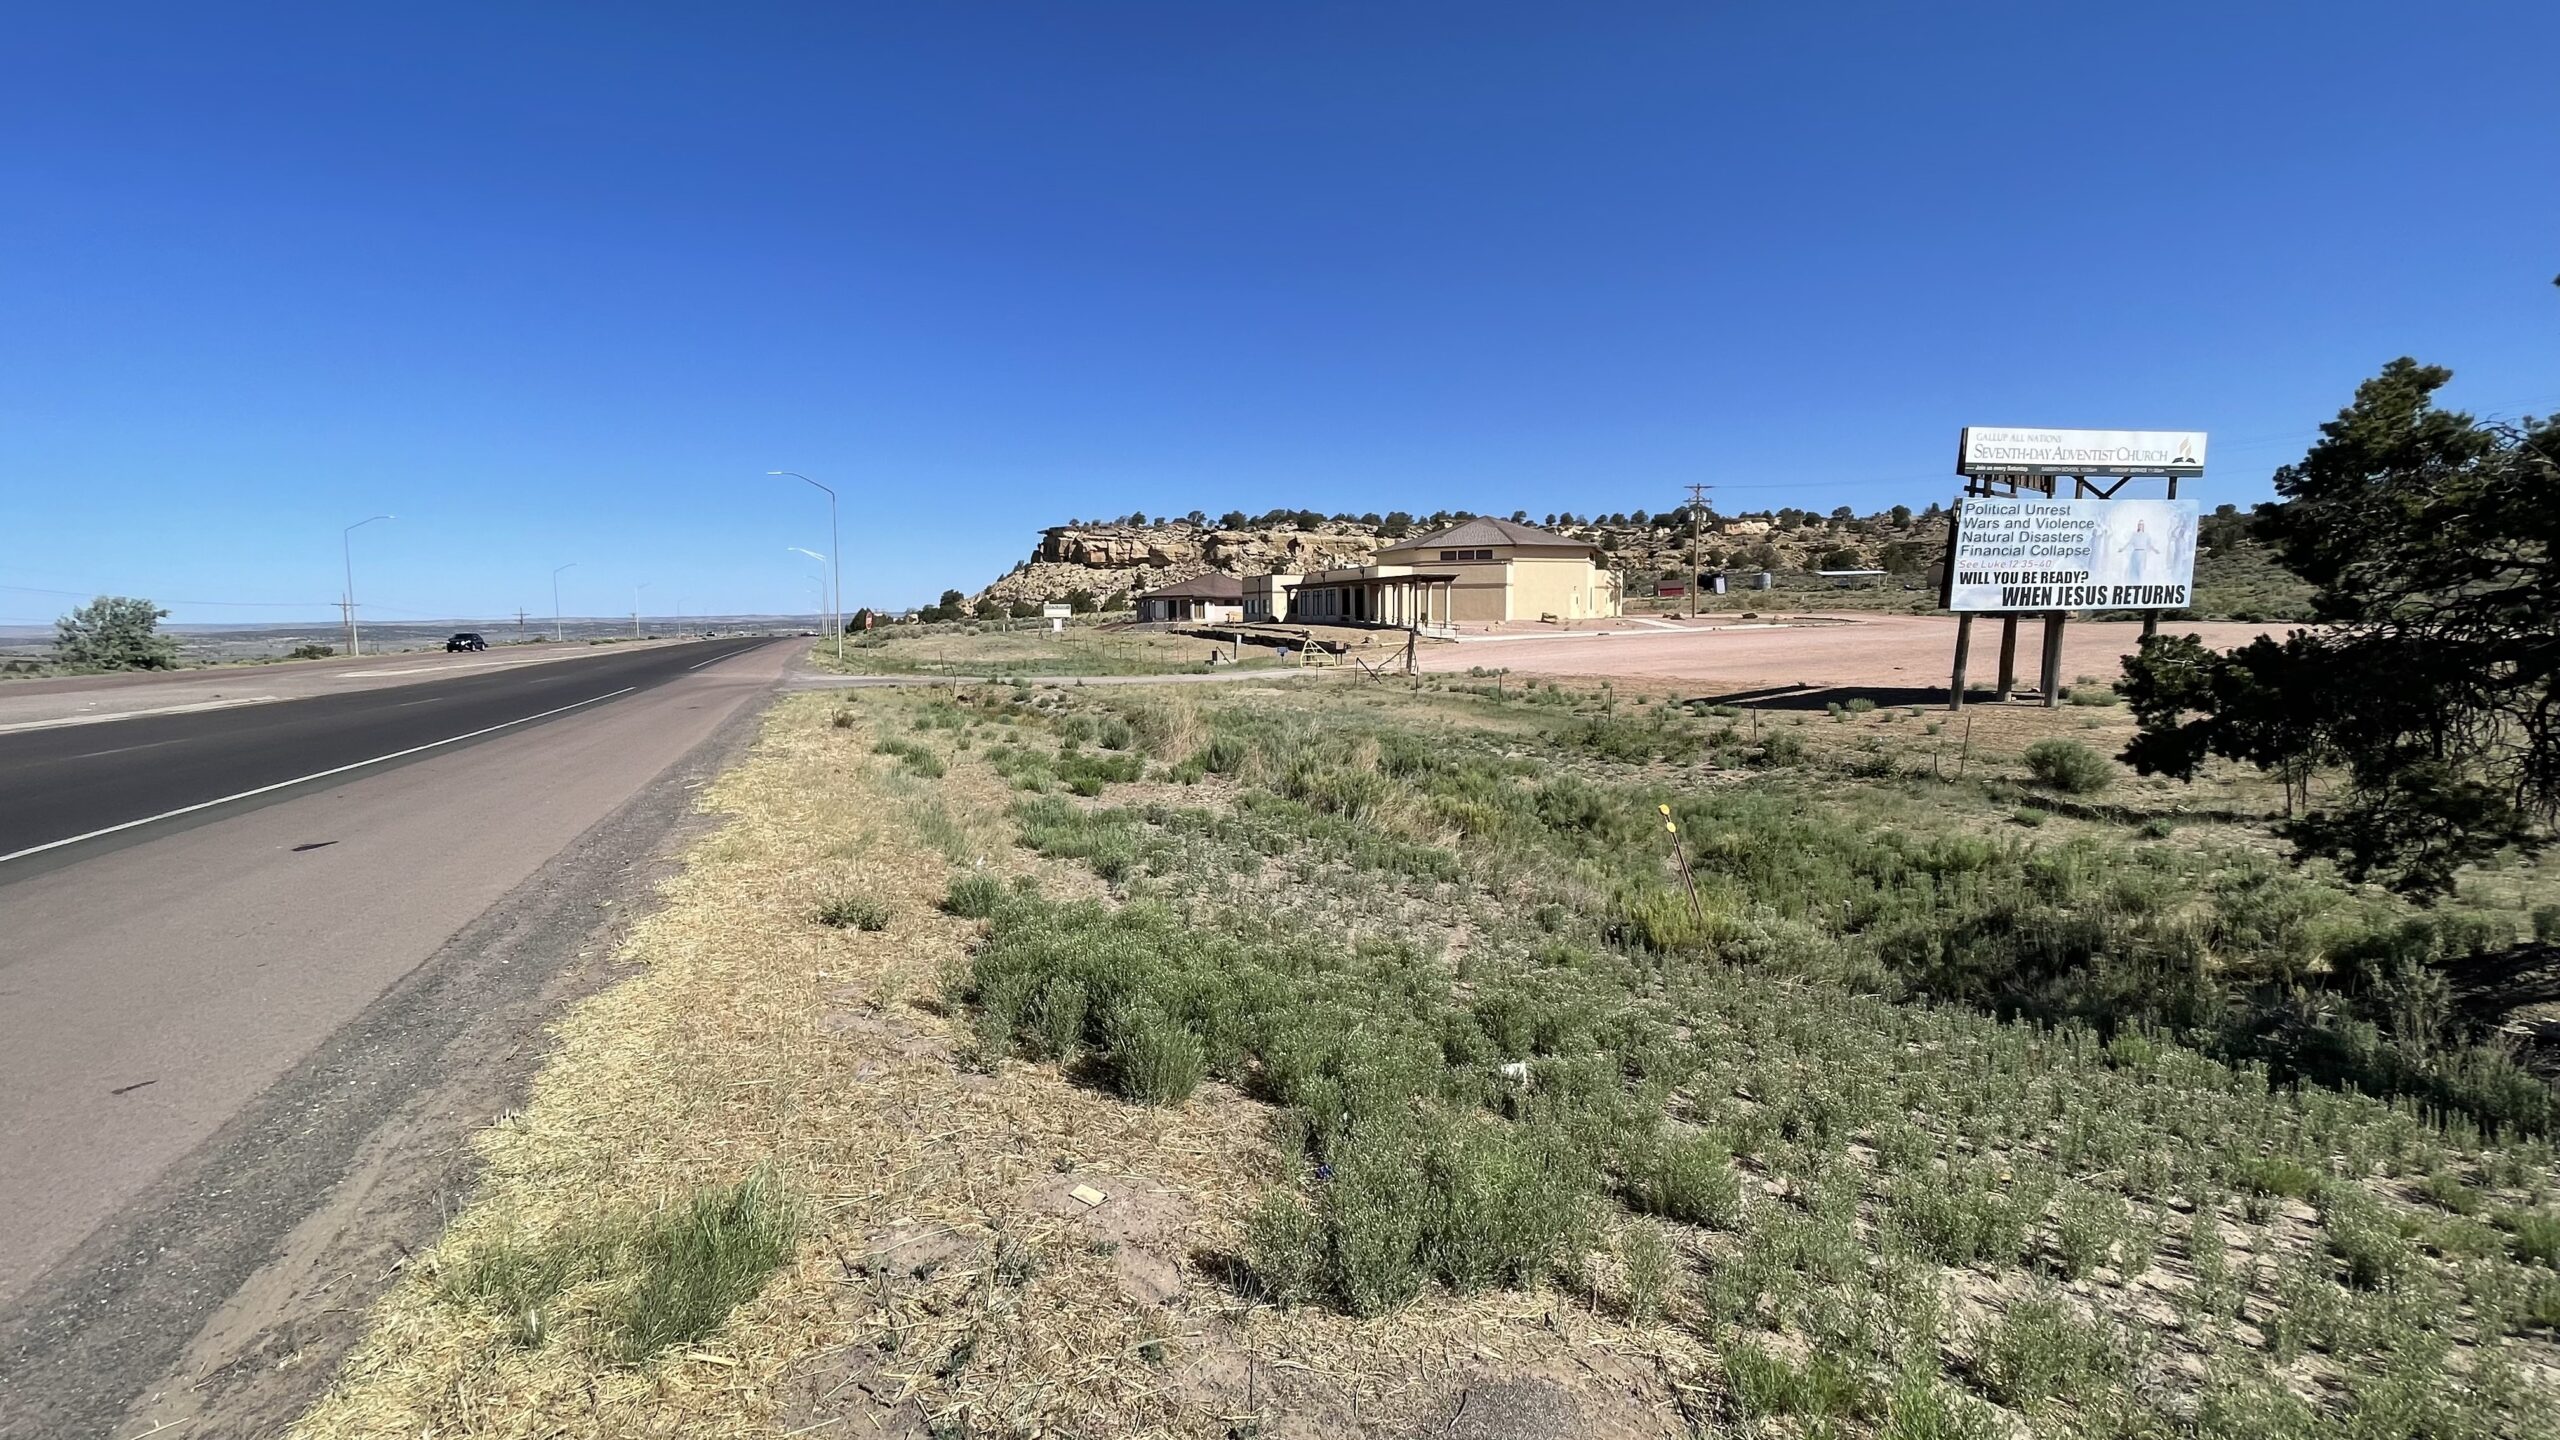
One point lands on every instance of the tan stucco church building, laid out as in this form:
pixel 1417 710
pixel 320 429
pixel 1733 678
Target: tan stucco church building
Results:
pixel 1474 573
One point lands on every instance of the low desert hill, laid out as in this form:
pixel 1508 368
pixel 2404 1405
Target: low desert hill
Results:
pixel 1119 557
pixel 1110 560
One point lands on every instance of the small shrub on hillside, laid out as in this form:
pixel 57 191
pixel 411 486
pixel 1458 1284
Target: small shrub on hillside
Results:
pixel 2364 1238
pixel 974 896
pixel 1645 1257
pixel 2042 1349
pixel 2534 1235
pixel 1224 754
pixel 1781 747
pixel 311 652
pixel 1690 1180
pixel 2069 766
pixel 2546 924
pixel 853 912
pixel 1766 1383
pixel 2087 1225
pixel 1502 1204
pixel 1057 1017
pixel 1153 1059
pixel 1633 741
pixel 1921 1408
pixel 1372 1217
pixel 1282 1248
pixel 918 759
pixel 2276 1175
pixel 2093 693
pixel 1861 705
pixel 2446 1189
pixel 1115 733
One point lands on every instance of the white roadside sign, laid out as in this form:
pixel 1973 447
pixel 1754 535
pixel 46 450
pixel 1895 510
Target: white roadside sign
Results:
pixel 2031 553
pixel 2007 450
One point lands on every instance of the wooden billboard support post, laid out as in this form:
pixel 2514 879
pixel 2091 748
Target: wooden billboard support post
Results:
pixel 1964 652
pixel 2053 623
pixel 2008 657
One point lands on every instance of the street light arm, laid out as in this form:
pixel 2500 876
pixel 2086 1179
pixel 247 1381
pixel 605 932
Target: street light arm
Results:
pixel 835 538
pixel 796 475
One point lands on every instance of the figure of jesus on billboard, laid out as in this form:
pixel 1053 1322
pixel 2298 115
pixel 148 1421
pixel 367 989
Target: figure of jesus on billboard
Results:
pixel 2139 549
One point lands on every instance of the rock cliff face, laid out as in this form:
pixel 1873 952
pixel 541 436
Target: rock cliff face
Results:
pixel 1109 560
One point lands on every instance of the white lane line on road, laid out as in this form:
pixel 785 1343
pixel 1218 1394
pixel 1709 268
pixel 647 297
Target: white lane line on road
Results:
pixel 698 664
pixel 195 709
pixel 307 779
pixel 126 749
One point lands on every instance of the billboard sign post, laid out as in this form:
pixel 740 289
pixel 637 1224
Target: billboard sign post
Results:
pixel 2019 547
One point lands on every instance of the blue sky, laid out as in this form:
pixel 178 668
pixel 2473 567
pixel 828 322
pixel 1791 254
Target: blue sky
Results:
pixel 559 283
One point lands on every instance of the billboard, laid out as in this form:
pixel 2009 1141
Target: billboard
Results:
pixel 2002 450
pixel 2031 553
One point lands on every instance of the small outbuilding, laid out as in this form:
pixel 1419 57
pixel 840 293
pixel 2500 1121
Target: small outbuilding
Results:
pixel 1209 597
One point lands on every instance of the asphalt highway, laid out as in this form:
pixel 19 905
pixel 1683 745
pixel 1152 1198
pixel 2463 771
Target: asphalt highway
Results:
pixel 265 970
pixel 75 786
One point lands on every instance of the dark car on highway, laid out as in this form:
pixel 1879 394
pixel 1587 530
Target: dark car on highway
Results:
pixel 465 641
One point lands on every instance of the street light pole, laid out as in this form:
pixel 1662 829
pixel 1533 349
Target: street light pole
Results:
pixel 557 634
pixel 824 609
pixel 835 539
pixel 347 552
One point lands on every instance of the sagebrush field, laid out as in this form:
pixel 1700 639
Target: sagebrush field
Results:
pixel 1329 1058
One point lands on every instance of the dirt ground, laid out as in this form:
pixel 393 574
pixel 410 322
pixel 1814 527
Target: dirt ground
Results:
pixel 1832 651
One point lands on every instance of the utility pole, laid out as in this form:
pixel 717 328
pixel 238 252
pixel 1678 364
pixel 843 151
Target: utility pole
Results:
pixel 519 624
pixel 1697 517
pixel 635 608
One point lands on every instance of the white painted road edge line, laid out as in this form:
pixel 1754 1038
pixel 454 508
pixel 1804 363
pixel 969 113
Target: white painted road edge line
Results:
pixel 305 779
pixel 196 708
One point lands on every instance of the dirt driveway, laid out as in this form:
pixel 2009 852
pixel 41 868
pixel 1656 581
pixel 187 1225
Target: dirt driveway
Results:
pixel 1874 652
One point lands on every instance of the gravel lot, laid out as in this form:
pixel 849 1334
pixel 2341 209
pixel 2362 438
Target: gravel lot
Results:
pixel 1892 652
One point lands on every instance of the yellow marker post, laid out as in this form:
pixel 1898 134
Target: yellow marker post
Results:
pixel 1680 852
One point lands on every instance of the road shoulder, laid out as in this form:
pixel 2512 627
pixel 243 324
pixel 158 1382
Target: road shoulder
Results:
pixel 243 1274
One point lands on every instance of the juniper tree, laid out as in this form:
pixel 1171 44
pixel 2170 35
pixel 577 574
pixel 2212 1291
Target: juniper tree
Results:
pixel 115 632
pixel 2434 681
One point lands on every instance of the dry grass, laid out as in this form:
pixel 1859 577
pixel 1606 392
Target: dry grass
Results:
pixel 947 1280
